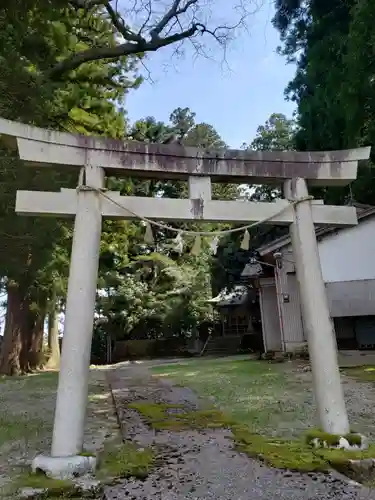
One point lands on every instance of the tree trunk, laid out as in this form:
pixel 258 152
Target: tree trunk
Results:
pixel 16 319
pixel 35 352
pixel 53 340
pixel 32 340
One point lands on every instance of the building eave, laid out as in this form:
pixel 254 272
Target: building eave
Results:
pixel 279 243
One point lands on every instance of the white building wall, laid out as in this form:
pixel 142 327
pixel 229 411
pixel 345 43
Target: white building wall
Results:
pixel 348 264
pixel 349 254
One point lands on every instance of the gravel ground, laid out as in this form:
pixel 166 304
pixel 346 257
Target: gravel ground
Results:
pixel 27 408
pixel 204 464
pixel 359 399
pixel 276 398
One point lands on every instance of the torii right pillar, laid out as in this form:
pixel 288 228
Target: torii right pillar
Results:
pixel 329 394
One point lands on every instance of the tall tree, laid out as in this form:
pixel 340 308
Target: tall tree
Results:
pixel 277 134
pixel 83 102
pixel 331 42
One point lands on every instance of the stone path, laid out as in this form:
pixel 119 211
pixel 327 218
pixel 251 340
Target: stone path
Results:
pixel 203 465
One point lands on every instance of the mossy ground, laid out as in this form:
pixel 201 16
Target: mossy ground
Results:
pixel 250 382
pixel 54 488
pixel 365 373
pixel 283 454
pixel 255 392
pixel 162 416
pixel 332 439
pixel 123 460
pixel 118 460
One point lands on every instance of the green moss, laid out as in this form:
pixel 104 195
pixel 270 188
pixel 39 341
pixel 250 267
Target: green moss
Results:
pixel 55 488
pixel 87 454
pixel 154 412
pixel 163 416
pixel 125 460
pixel 293 455
pixel 298 455
pixel 330 439
pixel 353 439
pixel 336 455
pixel 365 373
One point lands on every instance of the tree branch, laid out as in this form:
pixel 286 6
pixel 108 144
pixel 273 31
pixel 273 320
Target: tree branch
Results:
pixel 174 11
pixel 119 24
pixel 149 14
pixel 154 33
pixel 123 49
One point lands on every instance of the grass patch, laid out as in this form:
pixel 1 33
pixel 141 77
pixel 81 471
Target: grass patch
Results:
pixel 33 380
pixel 256 394
pixel 258 397
pixel 16 427
pixel 364 373
pixel 123 460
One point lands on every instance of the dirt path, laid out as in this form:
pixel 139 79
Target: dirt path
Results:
pixel 203 464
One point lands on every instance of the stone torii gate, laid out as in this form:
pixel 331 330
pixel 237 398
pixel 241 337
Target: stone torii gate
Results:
pixel 97 157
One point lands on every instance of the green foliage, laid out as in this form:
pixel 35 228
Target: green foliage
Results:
pixel 155 295
pixel 277 134
pixel 332 43
pixel 83 103
pixel 150 290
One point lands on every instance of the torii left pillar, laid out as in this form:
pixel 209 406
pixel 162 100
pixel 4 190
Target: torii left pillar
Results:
pixel 68 430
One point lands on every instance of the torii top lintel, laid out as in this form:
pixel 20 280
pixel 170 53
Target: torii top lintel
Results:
pixel 41 147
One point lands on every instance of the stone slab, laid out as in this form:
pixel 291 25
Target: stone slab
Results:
pixel 40 147
pixel 64 204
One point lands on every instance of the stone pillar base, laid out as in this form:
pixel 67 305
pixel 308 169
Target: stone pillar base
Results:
pixel 64 467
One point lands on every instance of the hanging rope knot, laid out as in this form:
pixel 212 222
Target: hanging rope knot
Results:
pixel 83 187
pixel 301 200
pixel 304 198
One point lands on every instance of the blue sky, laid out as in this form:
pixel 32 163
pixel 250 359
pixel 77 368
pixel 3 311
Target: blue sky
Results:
pixel 235 97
